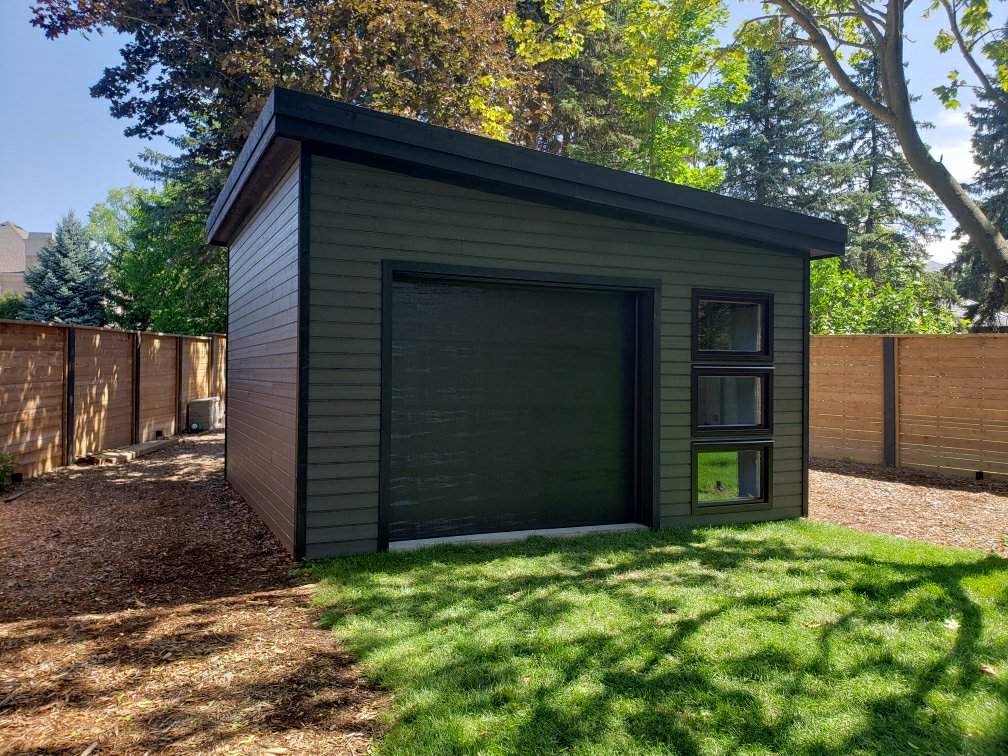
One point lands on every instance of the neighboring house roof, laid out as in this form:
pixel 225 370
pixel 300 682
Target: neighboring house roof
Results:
pixel 12 248
pixel 367 136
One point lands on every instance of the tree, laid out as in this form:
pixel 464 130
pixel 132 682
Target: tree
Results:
pixel 162 275
pixel 11 305
pixel 889 212
pixel 776 146
pixel 633 84
pixel 969 270
pixel 841 302
pixel 843 32
pixel 209 66
pixel 68 284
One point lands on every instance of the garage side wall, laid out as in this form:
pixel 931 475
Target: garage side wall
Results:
pixel 263 357
pixel 362 215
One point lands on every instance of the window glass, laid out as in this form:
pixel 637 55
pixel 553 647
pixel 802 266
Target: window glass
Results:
pixel 730 326
pixel 733 475
pixel 730 400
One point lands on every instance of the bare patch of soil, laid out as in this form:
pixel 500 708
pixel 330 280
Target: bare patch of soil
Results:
pixel 912 504
pixel 144 608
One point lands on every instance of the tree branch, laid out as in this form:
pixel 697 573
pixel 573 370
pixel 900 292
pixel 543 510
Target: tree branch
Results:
pixel 993 92
pixel 804 18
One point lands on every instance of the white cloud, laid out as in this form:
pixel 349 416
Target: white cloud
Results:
pixel 950 143
pixel 943 250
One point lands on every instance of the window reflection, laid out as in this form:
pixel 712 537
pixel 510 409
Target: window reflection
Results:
pixel 733 475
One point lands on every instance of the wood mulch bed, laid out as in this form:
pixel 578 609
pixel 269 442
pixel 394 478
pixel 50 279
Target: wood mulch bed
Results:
pixel 911 504
pixel 143 608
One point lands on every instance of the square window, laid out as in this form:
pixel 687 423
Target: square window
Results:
pixel 730 477
pixel 731 325
pixel 727 400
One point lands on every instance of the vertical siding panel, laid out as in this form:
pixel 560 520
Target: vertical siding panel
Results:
pixel 361 215
pixel 32 395
pixel 261 355
pixel 103 391
pixel 157 386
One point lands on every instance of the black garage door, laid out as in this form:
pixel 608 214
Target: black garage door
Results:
pixel 511 407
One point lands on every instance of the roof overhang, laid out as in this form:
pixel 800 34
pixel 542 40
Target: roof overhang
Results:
pixel 366 136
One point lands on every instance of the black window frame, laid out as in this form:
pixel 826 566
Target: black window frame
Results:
pixel 764 298
pixel 762 371
pixel 723 506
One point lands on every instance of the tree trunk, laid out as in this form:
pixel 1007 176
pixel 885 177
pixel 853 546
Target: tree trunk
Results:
pixel 895 89
pixel 982 232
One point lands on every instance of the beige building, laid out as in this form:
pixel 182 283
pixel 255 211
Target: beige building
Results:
pixel 18 252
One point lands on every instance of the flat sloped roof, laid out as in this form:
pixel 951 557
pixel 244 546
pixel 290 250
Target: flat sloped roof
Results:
pixel 366 136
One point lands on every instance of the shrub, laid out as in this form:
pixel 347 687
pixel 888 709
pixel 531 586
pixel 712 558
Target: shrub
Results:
pixel 6 469
pixel 11 305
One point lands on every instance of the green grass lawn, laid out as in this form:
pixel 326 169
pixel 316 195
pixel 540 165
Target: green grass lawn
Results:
pixel 783 638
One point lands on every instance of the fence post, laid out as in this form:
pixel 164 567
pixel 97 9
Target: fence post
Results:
pixel 179 419
pixel 71 359
pixel 136 387
pixel 889 399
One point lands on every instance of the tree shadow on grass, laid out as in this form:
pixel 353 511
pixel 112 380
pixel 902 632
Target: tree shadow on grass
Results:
pixel 761 638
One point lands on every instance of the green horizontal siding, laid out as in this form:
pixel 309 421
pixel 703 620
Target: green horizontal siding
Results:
pixel 361 215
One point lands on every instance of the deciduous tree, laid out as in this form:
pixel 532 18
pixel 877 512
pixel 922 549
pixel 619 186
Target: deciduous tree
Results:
pixel 842 302
pixel 845 31
pixel 162 275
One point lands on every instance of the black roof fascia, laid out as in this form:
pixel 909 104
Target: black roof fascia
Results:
pixel 367 136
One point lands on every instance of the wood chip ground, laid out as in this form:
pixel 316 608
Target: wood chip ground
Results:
pixel 911 504
pixel 143 608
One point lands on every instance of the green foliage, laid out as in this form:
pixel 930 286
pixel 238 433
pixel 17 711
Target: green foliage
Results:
pixel 656 77
pixel 68 284
pixel 7 462
pixel 890 214
pixel 776 146
pixel 11 305
pixel 794 638
pixel 841 302
pixel 162 275
pixel 210 66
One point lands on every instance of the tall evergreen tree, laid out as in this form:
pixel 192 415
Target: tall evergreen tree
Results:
pixel 889 212
pixel 776 145
pixel 68 284
pixel 970 271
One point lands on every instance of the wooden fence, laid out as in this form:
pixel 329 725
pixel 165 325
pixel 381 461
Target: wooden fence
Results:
pixel 70 391
pixel 927 402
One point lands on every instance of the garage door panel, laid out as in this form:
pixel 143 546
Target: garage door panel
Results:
pixel 507 412
pixel 443 313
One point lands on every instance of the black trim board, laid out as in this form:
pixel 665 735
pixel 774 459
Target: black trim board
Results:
pixel 649 341
pixel 304 290
pixel 806 401
pixel 889 400
pixel 363 135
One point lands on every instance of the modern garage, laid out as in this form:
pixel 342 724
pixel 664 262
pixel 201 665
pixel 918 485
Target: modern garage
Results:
pixel 436 336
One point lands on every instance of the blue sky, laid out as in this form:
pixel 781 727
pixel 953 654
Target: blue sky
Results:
pixel 60 149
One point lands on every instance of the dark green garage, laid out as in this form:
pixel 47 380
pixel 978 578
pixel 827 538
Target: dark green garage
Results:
pixel 437 336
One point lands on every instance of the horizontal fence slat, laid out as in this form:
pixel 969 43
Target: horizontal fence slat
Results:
pixel 951 399
pixel 33 388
